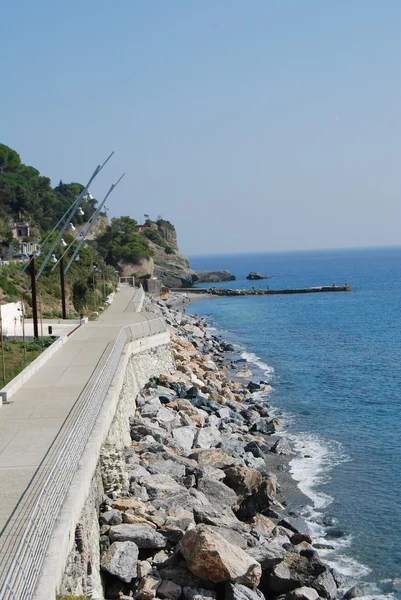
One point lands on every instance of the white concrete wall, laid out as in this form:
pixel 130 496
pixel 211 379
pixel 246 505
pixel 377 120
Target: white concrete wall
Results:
pixel 10 312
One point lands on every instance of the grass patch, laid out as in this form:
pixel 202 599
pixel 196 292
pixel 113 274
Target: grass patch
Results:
pixel 16 359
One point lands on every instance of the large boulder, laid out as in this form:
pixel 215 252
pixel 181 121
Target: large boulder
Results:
pixel 219 495
pixel 243 480
pixel 302 593
pixel 184 437
pixel 298 571
pixel 282 446
pixel 121 560
pixel 209 556
pixel 162 485
pixel 207 437
pixel 259 500
pixel 241 592
pixel 148 587
pixel 143 535
pixel 216 457
pixel 269 554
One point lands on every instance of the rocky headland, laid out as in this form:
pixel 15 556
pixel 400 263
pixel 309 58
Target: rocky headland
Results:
pixel 168 264
pixel 199 509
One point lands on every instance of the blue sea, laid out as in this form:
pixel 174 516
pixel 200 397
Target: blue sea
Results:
pixel 334 361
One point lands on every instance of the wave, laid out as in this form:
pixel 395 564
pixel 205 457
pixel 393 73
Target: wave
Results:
pixel 311 469
pixel 254 359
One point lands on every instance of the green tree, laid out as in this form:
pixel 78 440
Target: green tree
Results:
pixel 9 158
pixel 122 242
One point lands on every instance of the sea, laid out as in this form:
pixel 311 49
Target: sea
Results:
pixel 334 361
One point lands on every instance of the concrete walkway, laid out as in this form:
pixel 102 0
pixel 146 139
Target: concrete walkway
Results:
pixel 31 427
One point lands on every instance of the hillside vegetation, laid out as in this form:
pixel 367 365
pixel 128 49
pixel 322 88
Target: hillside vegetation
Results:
pixel 120 245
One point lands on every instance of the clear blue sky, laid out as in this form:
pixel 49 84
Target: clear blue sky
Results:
pixel 262 125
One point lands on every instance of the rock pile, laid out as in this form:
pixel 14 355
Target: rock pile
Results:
pixel 204 518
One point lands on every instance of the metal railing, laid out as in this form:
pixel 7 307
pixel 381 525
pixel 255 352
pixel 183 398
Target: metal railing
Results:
pixel 24 571
pixel 138 298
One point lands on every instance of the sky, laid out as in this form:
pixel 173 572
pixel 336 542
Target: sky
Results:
pixel 252 126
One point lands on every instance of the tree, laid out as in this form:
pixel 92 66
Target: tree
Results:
pixel 9 158
pixel 122 242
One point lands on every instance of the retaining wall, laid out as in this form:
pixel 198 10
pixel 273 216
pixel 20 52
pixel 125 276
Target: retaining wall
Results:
pixel 72 561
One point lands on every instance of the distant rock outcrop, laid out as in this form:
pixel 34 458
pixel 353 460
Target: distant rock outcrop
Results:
pixel 254 275
pixel 214 276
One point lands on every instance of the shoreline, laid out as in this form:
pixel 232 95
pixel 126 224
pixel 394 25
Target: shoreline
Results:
pixel 302 505
pixel 209 509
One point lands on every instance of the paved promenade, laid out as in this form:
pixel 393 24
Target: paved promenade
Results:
pixel 32 427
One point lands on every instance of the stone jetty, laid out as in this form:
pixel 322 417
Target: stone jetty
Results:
pixel 215 291
pixel 197 511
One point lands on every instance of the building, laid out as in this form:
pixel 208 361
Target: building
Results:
pixel 21 229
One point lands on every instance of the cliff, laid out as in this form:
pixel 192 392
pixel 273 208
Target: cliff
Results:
pixel 172 267
pixel 159 256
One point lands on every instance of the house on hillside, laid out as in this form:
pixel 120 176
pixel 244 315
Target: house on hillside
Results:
pixel 21 229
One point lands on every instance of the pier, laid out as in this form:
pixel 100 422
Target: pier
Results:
pixel 215 291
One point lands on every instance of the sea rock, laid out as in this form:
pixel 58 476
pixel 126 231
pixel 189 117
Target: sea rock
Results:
pixel 184 437
pixel 144 536
pixel 121 560
pixel 264 426
pixel 111 517
pixel 207 437
pixel 151 408
pixel 243 480
pixel 165 415
pixel 162 485
pixel 210 473
pixel 302 593
pixel 354 592
pixel 258 449
pixel 216 457
pixel 148 587
pixel 198 594
pixel 167 467
pixel 282 446
pixel 269 554
pixel 298 571
pixel 260 499
pixel 253 387
pixel 244 371
pixel 219 495
pixel 182 576
pixel 263 525
pixel 140 430
pixel 169 589
pixel 214 276
pixel 255 275
pixel 209 556
pixel 134 504
pixel 144 567
pixel 132 519
pixel 241 592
